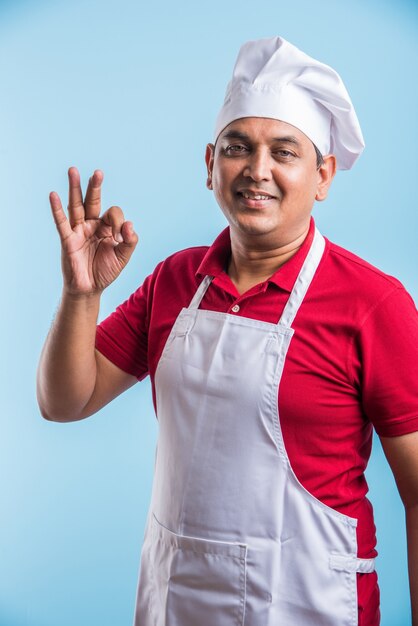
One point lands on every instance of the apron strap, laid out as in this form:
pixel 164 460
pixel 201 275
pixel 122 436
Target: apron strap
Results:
pixel 201 290
pixel 351 564
pixel 303 281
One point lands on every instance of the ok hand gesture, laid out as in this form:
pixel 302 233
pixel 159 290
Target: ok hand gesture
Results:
pixel 94 249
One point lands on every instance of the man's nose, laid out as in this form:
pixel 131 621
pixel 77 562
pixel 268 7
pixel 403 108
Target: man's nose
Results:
pixel 258 166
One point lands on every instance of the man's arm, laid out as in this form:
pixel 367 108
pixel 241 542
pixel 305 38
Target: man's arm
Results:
pixel 74 380
pixel 402 455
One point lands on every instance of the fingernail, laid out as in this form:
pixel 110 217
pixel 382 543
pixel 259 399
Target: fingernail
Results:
pixel 119 238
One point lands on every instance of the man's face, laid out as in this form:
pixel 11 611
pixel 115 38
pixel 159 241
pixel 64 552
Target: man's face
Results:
pixel 265 178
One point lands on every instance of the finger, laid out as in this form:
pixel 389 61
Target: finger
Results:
pixel 75 198
pixel 130 238
pixel 92 200
pixel 125 249
pixel 60 219
pixel 114 217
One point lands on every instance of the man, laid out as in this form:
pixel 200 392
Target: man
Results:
pixel 255 519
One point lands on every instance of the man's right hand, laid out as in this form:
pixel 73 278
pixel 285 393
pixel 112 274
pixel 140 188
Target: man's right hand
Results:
pixel 74 379
pixel 95 248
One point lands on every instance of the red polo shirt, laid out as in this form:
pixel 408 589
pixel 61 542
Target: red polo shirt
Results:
pixel 351 365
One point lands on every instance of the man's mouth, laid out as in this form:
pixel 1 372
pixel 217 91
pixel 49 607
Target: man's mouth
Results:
pixel 255 195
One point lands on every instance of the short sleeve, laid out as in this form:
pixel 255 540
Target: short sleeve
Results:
pixel 387 360
pixel 123 336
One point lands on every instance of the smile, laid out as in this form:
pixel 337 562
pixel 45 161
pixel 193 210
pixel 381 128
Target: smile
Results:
pixel 248 195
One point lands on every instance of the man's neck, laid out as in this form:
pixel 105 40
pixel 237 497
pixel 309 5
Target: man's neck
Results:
pixel 251 265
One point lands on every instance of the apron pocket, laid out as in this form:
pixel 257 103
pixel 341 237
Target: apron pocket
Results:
pixel 196 581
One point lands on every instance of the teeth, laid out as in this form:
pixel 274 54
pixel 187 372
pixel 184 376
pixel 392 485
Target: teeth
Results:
pixel 255 197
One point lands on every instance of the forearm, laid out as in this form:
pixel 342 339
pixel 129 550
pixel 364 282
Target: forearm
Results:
pixel 412 534
pixel 67 368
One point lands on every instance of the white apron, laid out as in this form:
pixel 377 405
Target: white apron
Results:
pixel 233 538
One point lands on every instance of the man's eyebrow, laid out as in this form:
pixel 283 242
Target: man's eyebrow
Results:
pixel 237 134
pixel 288 139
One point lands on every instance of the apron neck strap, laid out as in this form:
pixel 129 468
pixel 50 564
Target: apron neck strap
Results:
pixel 304 279
pixel 201 290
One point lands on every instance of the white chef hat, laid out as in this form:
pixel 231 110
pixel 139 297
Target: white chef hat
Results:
pixel 274 79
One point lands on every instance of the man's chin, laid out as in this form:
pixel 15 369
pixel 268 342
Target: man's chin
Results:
pixel 253 228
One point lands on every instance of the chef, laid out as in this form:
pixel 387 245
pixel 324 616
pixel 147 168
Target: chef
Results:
pixel 273 354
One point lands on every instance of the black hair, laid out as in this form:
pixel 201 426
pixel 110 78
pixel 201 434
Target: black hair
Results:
pixel 319 157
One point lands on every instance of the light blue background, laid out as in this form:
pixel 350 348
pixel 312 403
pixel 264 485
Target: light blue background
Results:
pixel 133 88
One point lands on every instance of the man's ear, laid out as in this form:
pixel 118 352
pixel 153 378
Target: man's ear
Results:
pixel 209 156
pixel 326 173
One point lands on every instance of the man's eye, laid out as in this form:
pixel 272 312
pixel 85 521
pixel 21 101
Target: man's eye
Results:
pixel 235 148
pixel 285 154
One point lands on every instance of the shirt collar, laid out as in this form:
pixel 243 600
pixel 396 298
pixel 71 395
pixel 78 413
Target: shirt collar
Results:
pixel 216 260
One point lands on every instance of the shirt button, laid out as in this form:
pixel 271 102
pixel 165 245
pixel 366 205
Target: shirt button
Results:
pixel 235 308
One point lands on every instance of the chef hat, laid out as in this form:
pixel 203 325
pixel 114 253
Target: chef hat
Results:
pixel 274 79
